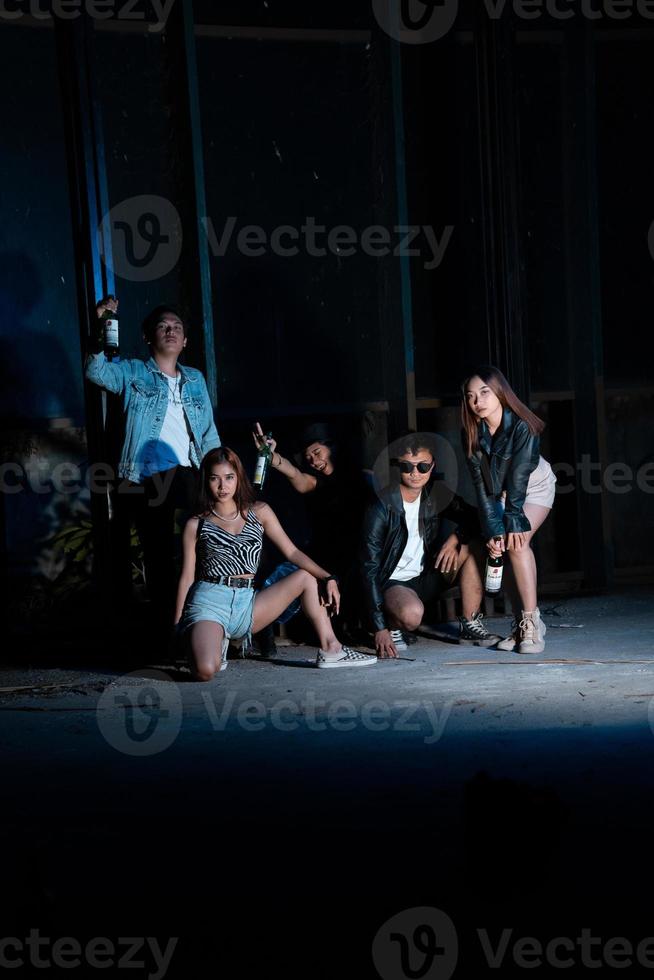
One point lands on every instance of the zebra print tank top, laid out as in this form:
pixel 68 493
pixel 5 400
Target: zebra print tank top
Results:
pixel 220 553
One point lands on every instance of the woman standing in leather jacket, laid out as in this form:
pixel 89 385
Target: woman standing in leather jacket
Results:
pixel 515 488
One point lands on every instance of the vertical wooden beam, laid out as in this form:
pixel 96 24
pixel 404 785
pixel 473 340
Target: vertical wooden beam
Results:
pixel 391 209
pixel 89 202
pixel 86 163
pixel 583 290
pixel 500 196
pixel 403 220
pixel 180 35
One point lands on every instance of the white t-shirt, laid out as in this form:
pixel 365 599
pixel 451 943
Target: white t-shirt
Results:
pixel 174 439
pixel 410 564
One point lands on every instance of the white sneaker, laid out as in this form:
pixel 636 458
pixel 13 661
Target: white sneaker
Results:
pixel 532 632
pixel 344 658
pixel 398 639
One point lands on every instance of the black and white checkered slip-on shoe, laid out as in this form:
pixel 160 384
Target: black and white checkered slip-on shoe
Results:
pixel 346 657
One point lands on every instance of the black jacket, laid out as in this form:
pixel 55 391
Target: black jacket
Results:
pixel 504 462
pixel 385 536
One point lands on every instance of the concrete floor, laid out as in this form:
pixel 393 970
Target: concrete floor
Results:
pixel 508 792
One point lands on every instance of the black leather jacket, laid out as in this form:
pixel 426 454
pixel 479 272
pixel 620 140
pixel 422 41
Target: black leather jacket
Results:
pixel 385 536
pixel 504 462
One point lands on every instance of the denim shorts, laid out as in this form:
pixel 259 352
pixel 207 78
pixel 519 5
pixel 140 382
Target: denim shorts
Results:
pixel 231 608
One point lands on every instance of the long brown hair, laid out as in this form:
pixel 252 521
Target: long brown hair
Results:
pixel 498 384
pixel 244 496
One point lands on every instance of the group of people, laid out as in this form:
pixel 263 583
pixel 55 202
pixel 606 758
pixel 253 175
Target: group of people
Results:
pixel 386 553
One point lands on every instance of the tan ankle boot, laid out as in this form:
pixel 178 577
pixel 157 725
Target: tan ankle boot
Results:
pixel 532 632
pixel 513 639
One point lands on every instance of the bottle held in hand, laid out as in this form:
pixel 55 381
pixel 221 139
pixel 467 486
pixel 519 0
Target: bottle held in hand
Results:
pixel 110 334
pixel 264 459
pixel 494 572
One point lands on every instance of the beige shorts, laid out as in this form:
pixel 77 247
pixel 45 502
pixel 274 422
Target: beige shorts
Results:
pixel 541 488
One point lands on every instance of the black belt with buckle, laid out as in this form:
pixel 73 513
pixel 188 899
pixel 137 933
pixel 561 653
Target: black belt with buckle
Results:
pixel 231 581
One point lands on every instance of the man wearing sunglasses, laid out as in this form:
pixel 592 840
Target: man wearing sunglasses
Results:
pixel 406 562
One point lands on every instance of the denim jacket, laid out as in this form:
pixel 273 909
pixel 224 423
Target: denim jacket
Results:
pixel 504 463
pixel 144 392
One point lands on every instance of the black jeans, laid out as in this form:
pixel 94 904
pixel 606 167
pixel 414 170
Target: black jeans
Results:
pixel 429 585
pixel 152 507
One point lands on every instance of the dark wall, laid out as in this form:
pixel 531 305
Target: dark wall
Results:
pixel 625 122
pixel 287 139
pixel 542 159
pixel 41 388
pixel 294 130
pixel 584 263
pixel 40 377
pixel 141 153
pixel 450 325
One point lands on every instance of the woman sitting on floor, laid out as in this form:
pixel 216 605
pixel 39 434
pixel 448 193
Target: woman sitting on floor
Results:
pixel 216 600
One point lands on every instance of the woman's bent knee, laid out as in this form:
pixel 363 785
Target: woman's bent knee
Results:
pixel 204 672
pixel 307 579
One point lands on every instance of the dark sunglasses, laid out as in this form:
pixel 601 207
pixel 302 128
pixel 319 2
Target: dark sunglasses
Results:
pixel 405 466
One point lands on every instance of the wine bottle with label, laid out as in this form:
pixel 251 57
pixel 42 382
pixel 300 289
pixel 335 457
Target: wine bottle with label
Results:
pixel 494 572
pixel 264 459
pixel 110 335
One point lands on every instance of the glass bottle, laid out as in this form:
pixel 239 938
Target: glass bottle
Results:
pixel 110 334
pixel 264 459
pixel 494 572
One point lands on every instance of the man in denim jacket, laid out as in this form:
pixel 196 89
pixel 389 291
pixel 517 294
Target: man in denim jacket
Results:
pixel 169 428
